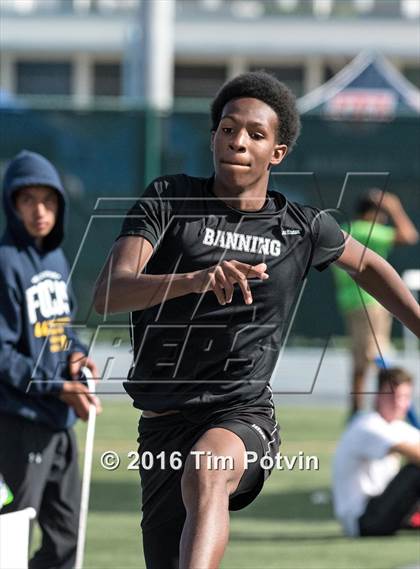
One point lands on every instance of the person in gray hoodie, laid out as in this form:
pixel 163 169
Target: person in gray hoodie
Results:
pixel 41 386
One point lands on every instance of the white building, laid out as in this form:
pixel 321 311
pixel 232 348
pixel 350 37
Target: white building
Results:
pixel 80 48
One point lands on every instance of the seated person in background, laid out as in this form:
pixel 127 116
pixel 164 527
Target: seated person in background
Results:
pixel 372 495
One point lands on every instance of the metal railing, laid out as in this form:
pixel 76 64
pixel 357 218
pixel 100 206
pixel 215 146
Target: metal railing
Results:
pixel 321 9
pixel 236 9
pixel 32 7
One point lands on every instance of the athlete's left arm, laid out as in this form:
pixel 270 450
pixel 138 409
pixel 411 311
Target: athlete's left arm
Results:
pixel 377 277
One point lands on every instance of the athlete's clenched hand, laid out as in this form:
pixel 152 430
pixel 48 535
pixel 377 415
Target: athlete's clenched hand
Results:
pixel 221 279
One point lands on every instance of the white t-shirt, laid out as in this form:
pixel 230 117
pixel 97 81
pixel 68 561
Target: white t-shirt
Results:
pixel 362 467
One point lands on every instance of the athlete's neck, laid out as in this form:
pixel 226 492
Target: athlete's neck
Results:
pixel 245 199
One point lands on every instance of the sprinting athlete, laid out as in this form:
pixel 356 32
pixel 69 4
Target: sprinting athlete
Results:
pixel 210 271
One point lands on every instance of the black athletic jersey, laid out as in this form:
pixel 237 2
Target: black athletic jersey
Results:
pixel 191 352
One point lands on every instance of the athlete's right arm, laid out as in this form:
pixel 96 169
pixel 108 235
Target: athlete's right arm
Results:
pixel 122 286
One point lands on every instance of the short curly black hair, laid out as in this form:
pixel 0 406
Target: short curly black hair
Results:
pixel 267 88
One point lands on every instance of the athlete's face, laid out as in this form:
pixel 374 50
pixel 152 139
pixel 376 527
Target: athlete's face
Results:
pixel 393 403
pixel 245 143
pixel 37 207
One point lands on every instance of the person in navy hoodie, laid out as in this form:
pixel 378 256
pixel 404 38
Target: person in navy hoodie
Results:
pixel 41 387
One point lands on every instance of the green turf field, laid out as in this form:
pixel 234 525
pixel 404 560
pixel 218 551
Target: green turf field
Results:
pixel 283 528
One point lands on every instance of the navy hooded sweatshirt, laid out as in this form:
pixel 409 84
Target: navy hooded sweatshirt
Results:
pixel 36 305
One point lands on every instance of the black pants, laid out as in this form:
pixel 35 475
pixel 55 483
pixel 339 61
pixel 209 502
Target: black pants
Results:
pixel 385 513
pixel 41 468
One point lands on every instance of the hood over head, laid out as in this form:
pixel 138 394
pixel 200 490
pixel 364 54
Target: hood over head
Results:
pixel 31 169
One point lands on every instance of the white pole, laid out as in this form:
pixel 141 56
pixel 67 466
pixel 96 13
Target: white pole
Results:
pixel 157 21
pixel 87 470
pixel 82 79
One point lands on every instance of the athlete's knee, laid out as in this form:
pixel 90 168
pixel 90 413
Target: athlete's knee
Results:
pixel 202 481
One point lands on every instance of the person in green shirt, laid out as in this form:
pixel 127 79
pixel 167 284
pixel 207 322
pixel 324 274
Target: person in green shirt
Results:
pixel 367 322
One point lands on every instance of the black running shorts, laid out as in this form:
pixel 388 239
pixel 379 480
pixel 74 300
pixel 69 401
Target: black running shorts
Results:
pixel 165 443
